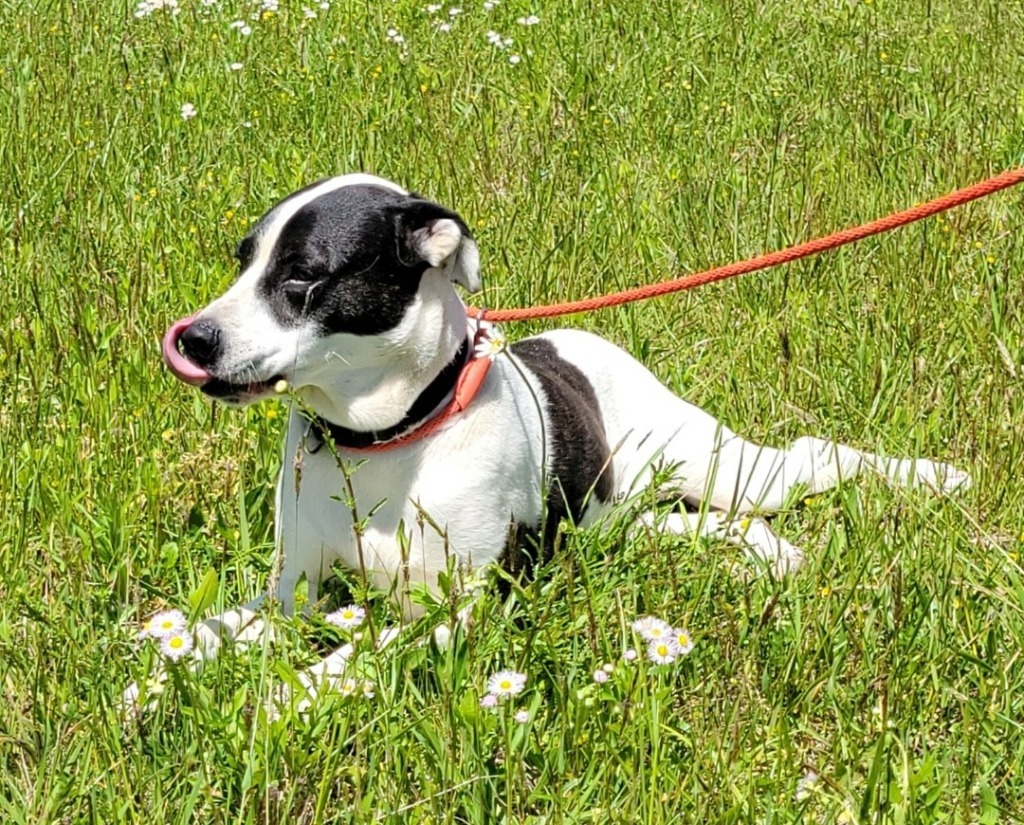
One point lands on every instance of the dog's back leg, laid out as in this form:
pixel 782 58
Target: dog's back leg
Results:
pixel 753 535
pixel 745 476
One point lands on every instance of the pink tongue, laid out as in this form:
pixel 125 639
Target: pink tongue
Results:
pixel 182 368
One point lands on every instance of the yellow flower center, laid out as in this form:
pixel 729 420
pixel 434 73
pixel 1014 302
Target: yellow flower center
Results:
pixel 662 650
pixel 176 642
pixel 167 624
pixel 505 684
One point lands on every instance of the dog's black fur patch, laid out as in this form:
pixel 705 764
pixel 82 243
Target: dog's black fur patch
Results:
pixel 579 460
pixel 344 261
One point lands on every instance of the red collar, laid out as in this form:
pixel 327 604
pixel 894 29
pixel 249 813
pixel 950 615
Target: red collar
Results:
pixel 467 385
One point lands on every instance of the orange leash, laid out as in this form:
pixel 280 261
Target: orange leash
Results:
pixel 475 371
pixel 783 256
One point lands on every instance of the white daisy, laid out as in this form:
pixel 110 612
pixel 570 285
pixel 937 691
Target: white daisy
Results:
pixel 165 623
pixel 522 716
pixel 235 67
pixel 489 341
pixel 651 628
pixel 514 59
pixel 347 618
pixel 188 111
pixel 176 645
pixel 683 639
pixel 489 701
pixel 600 676
pixel 506 683
pixel 663 651
pixel 805 785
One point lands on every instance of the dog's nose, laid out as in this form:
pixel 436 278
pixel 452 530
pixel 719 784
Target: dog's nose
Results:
pixel 200 342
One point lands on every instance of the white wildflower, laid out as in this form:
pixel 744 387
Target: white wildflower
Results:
pixel 347 618
pixel 176 645
pixel 165 623
pixel 663 651
pixel 651 628
pixel 506 683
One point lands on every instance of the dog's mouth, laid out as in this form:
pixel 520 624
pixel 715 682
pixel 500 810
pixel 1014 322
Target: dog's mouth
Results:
pixel 195 375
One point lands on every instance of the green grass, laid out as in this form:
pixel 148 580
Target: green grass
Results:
pixel 632 142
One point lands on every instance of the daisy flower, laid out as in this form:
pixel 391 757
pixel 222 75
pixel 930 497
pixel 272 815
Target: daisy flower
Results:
pixel 522 716
pixel 368 690
pixel 630 655
pixel 165 623
pixel 506 683
pixel 663 651
pixel 176 645
pixel 600 676
pixel 683 639
pixel 348 687
pixel 805 785
pixel 188 111
pixel 489 701
pixel 652 628
pixel 489 341
pixel 348 618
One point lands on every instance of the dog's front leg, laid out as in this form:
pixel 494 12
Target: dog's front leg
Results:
pixel 240 625
pixel 329 675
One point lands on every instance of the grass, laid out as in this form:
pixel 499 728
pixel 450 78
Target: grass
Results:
pixel 631 142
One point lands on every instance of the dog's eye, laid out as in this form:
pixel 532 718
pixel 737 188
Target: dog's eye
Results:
pixel 298 292
pixel 298 286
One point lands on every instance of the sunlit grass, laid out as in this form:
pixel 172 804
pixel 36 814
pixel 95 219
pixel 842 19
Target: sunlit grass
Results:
pixel 626 144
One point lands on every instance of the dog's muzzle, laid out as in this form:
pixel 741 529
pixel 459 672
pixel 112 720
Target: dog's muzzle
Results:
pixel 183 369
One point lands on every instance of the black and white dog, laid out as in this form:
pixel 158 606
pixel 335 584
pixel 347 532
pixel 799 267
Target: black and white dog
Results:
pixel 347 293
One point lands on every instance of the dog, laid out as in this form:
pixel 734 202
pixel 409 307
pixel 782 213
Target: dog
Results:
pixel 347 294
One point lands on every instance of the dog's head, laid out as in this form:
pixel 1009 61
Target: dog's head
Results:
pixel 343 276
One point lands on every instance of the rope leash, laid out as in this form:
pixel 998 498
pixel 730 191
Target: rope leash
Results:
pixel 770 259
pixel 475 371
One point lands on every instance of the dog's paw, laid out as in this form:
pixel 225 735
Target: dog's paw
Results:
pixel 940 478
pixel 140 697
pixel 769 551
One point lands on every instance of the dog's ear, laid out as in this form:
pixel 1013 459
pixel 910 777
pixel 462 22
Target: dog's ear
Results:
pixel 439 237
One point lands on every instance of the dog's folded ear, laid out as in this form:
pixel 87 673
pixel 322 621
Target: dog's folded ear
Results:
pixel 439 237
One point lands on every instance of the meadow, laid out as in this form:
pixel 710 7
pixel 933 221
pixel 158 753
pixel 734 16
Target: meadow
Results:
pixel 591 145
